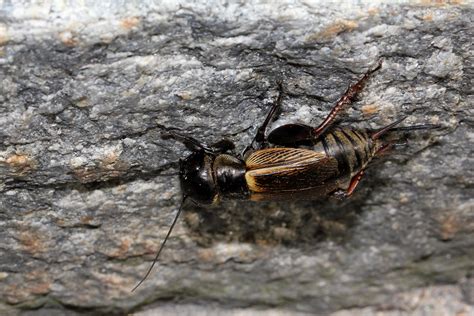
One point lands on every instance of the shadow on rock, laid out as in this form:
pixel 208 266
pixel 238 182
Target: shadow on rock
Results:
pixel 297 224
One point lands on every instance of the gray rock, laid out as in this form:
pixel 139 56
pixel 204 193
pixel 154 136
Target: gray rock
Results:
pixel 85 201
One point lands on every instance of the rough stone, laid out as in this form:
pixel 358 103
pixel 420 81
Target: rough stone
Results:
pixel 85 201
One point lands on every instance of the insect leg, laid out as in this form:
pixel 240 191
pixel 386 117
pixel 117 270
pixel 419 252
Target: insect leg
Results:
pixel 346 99
pixel 341 194
pixel 354 182
pixel 223 146
pixel 193 144
pixel 190 143
pixel 384 148
pixel 259 139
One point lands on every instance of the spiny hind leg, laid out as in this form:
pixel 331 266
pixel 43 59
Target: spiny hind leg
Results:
pixel 259 138
pixel 348 97
pixel 342 194
pixel 354 182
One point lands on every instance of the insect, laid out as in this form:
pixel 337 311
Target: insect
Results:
pixel 294 161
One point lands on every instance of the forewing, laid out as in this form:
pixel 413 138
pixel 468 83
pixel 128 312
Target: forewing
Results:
pixel 288 170
pixel 271 157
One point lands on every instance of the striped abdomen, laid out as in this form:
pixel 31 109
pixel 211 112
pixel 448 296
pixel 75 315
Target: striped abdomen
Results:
pixel 352 148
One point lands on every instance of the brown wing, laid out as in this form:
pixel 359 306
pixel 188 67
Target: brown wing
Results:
pixel 288 170
pixel 271 157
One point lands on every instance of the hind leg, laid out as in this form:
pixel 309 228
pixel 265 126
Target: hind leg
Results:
pixel 342 194
pixel 348 97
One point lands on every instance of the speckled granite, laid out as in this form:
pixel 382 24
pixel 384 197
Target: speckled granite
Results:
pixel 84 204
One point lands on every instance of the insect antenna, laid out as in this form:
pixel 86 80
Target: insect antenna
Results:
pixel 163 244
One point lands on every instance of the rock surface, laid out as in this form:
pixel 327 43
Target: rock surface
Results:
pixel 85 201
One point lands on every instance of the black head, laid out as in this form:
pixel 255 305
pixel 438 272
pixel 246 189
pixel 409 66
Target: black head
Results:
pixel 196 176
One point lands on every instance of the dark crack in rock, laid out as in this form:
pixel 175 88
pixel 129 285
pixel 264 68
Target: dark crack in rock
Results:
pixel 85 201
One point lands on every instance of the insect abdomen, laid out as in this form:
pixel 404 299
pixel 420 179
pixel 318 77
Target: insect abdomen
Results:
pixel 352 148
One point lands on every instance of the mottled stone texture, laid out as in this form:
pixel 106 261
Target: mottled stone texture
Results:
pixel 84 203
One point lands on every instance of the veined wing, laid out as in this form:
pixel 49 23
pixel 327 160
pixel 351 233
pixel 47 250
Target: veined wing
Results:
pixel 288 169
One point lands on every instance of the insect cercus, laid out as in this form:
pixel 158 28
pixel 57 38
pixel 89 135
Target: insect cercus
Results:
pixel 293 161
